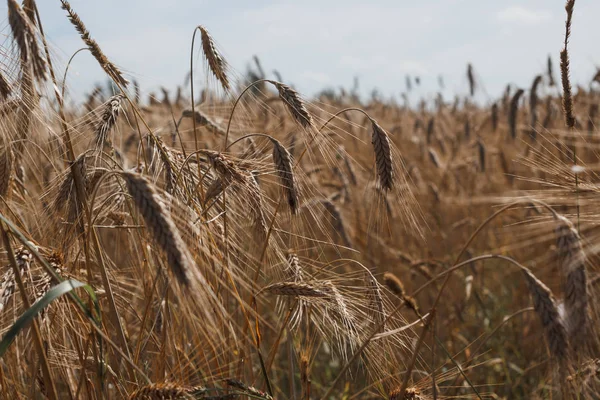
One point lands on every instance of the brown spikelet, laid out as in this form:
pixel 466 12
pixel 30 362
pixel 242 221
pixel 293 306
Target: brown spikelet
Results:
pixel 66 193
pixel 572 262
pixel 533 101
pixel 203 120
pixel 214 190
pixel 394 284
pixel 44 284
pixel 294 271
pixel 430 129
pixel 412 304
pixel 409 394
pixel 467 128
pixel 417 125
pixel 434 158
pixel 506 97
pixel 383 155
pixel 471 79
pixel 294 104
pixel 481 154
pixel 111 70
pixel 250 390
pixel 216 63
pixel 246 182
pixel 564 69
pixel 8 283
pixel 229 173
pixel 434 191
pixel 283 164
pixel 224 167
pixel 161 226
pixel 166 100
pixel 167 164
pixel 512 112
pixel 107 121
pixel 23 30
pixel 5 88
pixel 550 72
pixel 178 96
pixel 545 307
pixel 338 304
pixel 6 168
pixel 494 117
pixel 167 391
pixel 295 289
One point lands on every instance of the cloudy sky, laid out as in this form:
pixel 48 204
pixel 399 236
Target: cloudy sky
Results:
pixel 316 43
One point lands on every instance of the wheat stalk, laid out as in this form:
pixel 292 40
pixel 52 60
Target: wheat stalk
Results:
pixel 8 283
pixel 471 79
pixel 294 271
pixel 512 113
pixel 394 284
pixel 214 190
pixel 108 120
pixel 161 227
pixel 250 390
pixel 167 391
pixel 23 31
pixel 533 101
pixel 203 120
pixel 545 307
pixel 550 72
pixel 383 155
pixel 481 154
pixel 303 289
pixel 430 126
pixel 567 100
pixel 434 158
pixel 572 262
pixel 494 117
pixel 216 62
pixel 111 70
pixel 294 104
pixel 284 167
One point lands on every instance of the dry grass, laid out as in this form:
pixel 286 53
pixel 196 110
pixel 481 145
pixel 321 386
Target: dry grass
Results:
pixel 391 276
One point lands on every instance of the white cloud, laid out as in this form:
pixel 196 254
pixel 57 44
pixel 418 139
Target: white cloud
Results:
pixel 517 14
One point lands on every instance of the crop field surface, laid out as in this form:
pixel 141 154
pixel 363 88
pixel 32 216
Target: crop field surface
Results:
pixel 241 240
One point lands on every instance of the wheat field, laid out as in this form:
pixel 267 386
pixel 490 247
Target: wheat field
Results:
pixel 243 241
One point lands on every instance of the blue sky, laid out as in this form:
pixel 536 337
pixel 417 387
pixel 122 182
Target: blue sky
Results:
pixel 316 44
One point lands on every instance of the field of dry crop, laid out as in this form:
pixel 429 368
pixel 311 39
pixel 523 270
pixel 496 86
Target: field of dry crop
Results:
pixel 241 241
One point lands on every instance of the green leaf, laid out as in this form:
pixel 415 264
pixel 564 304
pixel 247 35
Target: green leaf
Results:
pixel 28 316
pixel 49 270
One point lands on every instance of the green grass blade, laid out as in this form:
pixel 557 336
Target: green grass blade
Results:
pixel 28 316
